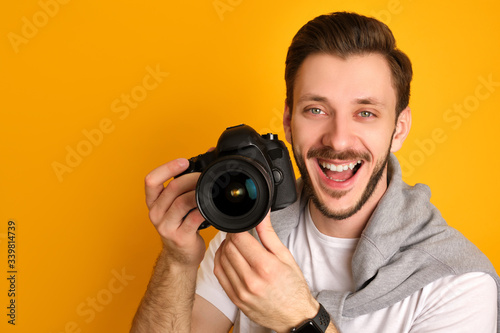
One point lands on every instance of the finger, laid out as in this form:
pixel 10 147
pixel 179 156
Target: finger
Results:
pixel 155 179
pixel 227 277
pixel 235 260
pixel 175 188
pixel 174 217
pixel 249 248
pixel 220 272
pixel 191 222
pixel 271 241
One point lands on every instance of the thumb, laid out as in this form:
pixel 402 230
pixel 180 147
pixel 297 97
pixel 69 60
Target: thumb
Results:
pixel 270 239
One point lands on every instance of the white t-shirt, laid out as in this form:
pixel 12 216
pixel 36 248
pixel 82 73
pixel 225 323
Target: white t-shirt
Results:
pixel 464 303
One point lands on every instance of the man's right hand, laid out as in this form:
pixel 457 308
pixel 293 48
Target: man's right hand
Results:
pixel 173 212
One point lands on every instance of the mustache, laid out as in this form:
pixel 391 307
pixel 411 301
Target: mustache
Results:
pixel 329 153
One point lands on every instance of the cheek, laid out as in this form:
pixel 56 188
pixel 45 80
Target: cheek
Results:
pixel 304 131
pixel 298 140
pixel 302 139
pixel 382 131
pixel 382 145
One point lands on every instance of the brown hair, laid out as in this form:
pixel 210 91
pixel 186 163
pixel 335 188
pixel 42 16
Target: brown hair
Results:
pixel 344 34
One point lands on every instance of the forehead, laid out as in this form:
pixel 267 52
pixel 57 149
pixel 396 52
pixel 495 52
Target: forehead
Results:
pixel 338 80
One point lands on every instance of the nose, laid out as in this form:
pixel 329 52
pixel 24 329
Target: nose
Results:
pixel 338 133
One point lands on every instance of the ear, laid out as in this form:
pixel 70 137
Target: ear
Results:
pixel 403 126
pixel 287 123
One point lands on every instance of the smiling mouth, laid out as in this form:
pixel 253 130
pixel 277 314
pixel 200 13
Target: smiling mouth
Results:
pixel 339 172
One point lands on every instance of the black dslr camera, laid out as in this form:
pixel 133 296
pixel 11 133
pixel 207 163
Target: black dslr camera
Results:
pixel 246 175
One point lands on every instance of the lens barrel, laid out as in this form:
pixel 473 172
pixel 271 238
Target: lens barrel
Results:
pixel 234 193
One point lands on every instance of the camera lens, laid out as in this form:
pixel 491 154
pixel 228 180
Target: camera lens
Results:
pixel 234 194
pixel 238 197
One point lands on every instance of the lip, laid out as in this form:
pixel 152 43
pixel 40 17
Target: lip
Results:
pixel 335 185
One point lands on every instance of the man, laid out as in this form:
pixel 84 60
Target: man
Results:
pixel 359 242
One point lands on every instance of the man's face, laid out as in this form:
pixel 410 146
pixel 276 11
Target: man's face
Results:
pixel 342 129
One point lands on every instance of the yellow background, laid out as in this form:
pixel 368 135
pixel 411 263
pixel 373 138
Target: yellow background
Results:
pixel 76 231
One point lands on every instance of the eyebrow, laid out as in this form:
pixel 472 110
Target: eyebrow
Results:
pixel 358 101
pixel 368 101
pixel 313 98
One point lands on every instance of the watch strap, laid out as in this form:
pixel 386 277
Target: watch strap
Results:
pixel 320 322
pixel 322 319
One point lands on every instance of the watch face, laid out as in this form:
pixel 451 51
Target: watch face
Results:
pixel 309 327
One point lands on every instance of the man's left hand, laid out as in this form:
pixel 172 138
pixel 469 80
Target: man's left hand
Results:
pixel 263 280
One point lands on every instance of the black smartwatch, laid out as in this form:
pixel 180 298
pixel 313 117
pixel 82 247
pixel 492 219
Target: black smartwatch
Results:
pixel 318 324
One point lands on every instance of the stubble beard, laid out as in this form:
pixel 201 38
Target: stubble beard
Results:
pixel 328 153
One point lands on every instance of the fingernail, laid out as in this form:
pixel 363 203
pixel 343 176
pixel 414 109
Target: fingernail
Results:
pixel 182 162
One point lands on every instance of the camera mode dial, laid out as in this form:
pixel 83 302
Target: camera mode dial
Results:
pixel 270 136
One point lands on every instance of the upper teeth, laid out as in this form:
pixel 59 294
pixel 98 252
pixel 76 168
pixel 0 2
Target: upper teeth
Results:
pixel 339 168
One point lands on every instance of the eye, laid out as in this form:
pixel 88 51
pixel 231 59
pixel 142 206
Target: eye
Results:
pixel 315 110
pixel 366 114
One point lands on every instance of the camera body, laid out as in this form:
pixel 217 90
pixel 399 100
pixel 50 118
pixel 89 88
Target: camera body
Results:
pixel 246 175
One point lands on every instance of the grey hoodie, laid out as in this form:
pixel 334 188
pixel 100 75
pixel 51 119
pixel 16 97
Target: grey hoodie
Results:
pixel 405 245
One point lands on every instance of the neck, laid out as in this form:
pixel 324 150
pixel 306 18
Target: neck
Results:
pixel 353 226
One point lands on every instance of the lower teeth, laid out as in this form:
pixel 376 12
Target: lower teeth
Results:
pixel 336 180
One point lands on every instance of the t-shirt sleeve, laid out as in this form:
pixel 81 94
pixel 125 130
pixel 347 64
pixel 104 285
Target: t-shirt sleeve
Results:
pixel 207 285
pixel 465 303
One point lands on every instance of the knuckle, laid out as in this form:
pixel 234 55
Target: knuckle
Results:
pixel 237 238
pixel 191 222
pixel 228 248
pixel 196 217
pixel 149 180
pixel 153 215
pixel 167 233
pixel 223 262
pixel 251 285
pixel 243 296
pixel 254 287
pixel 179 204
pixel 266 272
pixel 173 185
pixel 217 271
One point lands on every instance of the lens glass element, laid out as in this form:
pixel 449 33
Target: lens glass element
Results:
pixel 234 194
